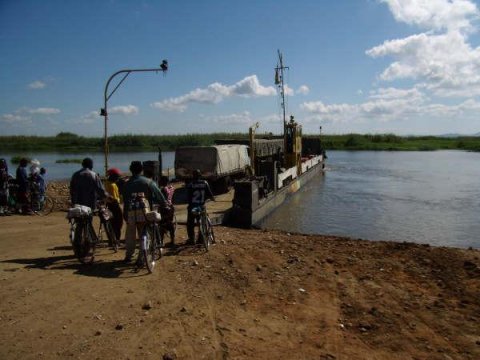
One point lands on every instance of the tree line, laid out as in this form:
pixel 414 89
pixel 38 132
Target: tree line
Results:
pixel 69 142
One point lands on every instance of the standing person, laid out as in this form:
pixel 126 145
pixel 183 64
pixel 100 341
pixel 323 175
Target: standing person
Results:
pixel 135 190
pixel 4 177
pixel 42 184
pixel 86 187
pixel 113 202
pixel 23 187
pixel 197 192
pixel 34 187
pixel 168 212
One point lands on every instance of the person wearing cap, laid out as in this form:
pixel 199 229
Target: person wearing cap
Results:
pixel 137 184
pixel 113 202
pixel 197 192
pixel 86 188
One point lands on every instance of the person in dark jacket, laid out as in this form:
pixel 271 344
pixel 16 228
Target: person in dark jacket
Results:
pixel 132 191
pixel 198 191
pixel 86 188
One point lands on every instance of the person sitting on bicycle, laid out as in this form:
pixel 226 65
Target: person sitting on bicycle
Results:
pixel 197 192
pixel 168 212
pixel 136 185
pixel 86 188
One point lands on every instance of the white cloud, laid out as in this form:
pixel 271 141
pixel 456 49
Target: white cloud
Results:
pixel 288 90
pixel 215 93
pixel 435 14
pixel 243 118
pixel 442 58
pixel 26 116
pixel 12 119
pixel 441 62
pixel 89 118
pixel 36 85
pixel 304 90
pixel 384 104
pixel 44 111
pixel 387 104
pixel 123 110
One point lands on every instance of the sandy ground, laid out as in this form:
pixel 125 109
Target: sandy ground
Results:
pixel 256 294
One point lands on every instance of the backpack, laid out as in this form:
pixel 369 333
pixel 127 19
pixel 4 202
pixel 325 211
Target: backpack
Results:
pixel 138 207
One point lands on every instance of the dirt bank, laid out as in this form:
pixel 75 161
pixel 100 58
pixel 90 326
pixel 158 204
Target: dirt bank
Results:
pixel 256 294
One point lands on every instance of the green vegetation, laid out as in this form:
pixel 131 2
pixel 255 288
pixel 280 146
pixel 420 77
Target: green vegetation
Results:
pixel 402 143
pixel 68 142
pixel 16 159
pixel 69 161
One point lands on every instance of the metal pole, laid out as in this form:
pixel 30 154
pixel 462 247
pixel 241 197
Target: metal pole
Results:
pixel 104 112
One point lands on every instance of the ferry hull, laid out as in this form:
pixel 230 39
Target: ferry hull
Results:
pixel 252 216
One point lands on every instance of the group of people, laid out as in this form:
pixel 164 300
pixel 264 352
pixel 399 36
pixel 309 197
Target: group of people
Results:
pixel 86 188
pixel 29 187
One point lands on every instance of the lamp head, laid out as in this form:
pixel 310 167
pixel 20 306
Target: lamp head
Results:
pixel 164 65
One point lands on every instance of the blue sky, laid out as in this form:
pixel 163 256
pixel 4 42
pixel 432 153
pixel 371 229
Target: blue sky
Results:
pixel 366 66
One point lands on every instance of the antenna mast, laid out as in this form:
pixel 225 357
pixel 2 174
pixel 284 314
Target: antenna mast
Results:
pixel 279 70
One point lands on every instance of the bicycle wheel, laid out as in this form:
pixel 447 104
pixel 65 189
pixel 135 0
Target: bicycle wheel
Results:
pixel 83 243
pixel 112 239
pixel 46 207
pixel 210 233
pixel 73 227
pixel 149 246
pixel 204 232
pixel 159 236
pixel 174 228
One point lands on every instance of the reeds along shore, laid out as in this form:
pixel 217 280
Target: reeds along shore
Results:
pixel 73 142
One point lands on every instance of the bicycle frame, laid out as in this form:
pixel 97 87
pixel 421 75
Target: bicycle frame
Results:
pixel 85 249
pixel 204 224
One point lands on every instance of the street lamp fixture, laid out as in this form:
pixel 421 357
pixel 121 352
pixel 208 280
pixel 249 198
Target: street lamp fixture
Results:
pixel 104 112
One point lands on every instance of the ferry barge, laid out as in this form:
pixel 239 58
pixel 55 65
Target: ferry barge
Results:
pixel 279 167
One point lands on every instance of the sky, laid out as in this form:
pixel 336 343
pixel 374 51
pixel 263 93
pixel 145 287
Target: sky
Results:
pixel 409 67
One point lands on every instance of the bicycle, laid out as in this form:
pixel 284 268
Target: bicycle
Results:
pixel 82 234
pixel 151 240
pixel 43 206
pixel 205 226
pixel 168 224
pixel 40 205
pixel 105 216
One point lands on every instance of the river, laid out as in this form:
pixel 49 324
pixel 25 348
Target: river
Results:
pixel 424 197
pixel 60 171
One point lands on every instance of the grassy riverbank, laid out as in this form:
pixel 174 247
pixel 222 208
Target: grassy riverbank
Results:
pixel 72 142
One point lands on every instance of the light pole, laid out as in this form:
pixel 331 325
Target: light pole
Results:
pixel 104 111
